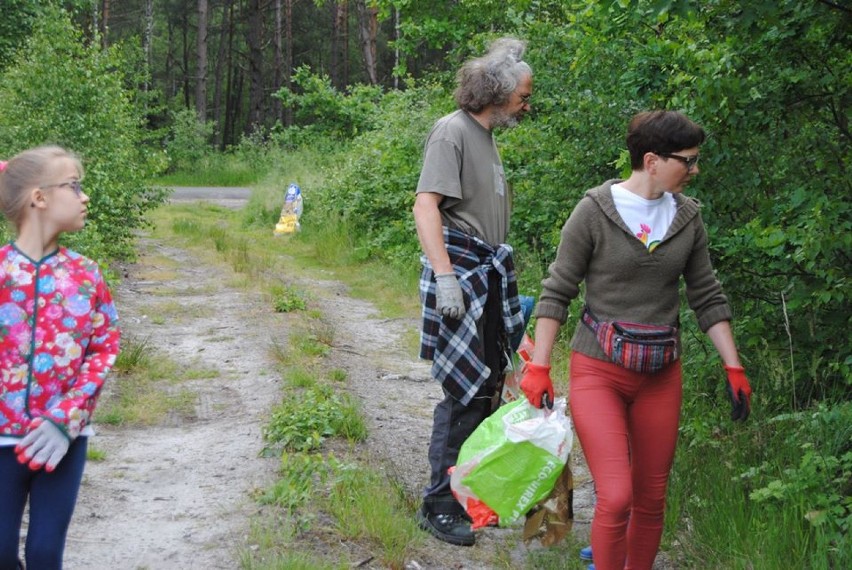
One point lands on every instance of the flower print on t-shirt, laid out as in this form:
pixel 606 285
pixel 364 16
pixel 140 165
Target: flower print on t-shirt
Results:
pixel 643 237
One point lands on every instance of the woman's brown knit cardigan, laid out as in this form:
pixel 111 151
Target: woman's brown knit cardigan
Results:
pixel 623 280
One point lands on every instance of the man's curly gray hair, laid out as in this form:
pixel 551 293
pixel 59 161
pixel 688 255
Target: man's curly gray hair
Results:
pixel 492 78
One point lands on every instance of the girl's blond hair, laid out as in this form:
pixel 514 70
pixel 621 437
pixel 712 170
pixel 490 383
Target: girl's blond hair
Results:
pixel 30 169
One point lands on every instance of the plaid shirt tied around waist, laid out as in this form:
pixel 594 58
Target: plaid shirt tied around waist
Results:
pixel 453 345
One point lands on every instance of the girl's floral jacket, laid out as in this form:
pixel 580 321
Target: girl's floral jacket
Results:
pixel 58 339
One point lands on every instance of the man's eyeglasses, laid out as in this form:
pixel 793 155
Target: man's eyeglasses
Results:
pixel 525 99
pixel 690 161
pixel 74 185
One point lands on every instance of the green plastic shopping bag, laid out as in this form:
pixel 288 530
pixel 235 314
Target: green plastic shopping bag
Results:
pixel 512 460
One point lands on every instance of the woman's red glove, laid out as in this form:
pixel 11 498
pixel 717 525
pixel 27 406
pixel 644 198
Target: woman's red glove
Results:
pixel 739 391
pixel 537 385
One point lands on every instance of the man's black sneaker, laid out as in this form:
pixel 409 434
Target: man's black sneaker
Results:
pixel 451 528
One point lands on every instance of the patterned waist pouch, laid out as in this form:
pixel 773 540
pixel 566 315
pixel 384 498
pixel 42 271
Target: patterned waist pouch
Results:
pixel 635 346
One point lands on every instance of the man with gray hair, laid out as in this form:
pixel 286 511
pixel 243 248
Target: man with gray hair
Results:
pixel 468 287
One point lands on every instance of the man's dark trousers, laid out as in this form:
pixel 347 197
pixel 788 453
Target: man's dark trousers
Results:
pixel 454 422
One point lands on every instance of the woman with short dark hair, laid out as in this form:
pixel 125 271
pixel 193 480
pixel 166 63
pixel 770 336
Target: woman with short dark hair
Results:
pixel 632 241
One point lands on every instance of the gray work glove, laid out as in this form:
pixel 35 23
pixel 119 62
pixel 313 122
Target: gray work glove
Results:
pixel 449 300
pixel 45 445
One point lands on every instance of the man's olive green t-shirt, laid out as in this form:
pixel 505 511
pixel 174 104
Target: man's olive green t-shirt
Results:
pixel 461 162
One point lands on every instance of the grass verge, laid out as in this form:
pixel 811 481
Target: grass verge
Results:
pixel 147 387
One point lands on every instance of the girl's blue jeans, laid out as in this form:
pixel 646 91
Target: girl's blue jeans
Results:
pixel 52 497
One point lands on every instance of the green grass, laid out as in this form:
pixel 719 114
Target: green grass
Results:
pixel 145 387
pixel 215 170
pixel 272 544
pixel 338 375
pixel 298 377
pixel 367 506
pixel 95 454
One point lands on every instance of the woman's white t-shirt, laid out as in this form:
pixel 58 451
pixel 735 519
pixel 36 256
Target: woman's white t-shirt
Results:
pixel 649 220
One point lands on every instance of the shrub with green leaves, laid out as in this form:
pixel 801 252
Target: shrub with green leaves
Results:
pixel 188 140
pixel 286 299
pixel 302 422
pixel 373 189
pixel 323 111
pixel 60 89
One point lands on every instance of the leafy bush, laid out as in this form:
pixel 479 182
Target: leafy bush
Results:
pixel 188 140
pixel 15 25
pixel 782 488
pixel 323 111
pixel 818 472
pixel 60 90
pixel 286 299
pixel 374 187
pixel 302 423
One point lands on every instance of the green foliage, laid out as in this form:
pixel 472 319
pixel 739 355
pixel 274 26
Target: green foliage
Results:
pixel 187 143
pixel 373 190
pixel 60 90
pixel 782 489
pixel 437 35
pixel 286 299
pixel 15 25
pixel 302 423
pixel 322 110
pixel 818 472
pixel 300 475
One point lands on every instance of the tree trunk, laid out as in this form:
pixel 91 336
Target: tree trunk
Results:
pixel 223 61
pixel 396 35
pixel 339 44
pixel 201 71
pixel 238 105
pixel 254 38
pixel 368 27
pixel 278 109
pixel 171 87
pixel 288 60
pixel 104 22
pixel 187 98
pixel 231 70
pixel 147 37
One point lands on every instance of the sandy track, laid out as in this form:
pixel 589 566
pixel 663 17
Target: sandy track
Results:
pixel 177 495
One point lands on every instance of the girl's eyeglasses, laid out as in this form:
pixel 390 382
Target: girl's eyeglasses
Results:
pixel 74 185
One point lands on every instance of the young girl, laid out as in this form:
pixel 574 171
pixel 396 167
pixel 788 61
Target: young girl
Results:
pixel 58 340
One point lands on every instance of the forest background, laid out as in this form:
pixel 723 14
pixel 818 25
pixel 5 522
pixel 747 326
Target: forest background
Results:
pixel 152 92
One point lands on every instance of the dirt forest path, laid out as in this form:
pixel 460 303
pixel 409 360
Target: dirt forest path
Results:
pixel 177 495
